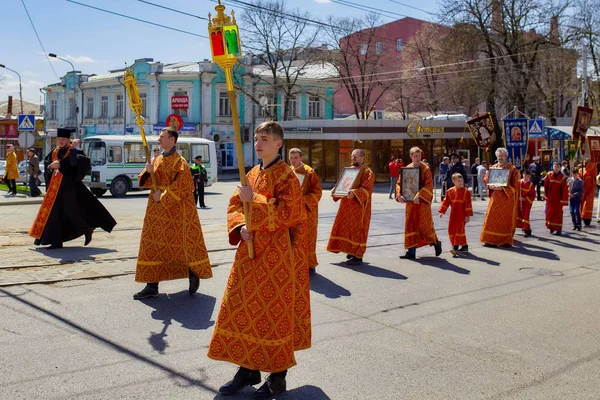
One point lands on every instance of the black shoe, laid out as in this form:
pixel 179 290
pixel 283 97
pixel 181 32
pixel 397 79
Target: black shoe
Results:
pixel 354 261
pixel 574 228
pixel 194 282
pixel 272 387
pixel 408 256
pixel 579 228
pixel 551 232
pixel 88 237
pixel 527 234
pixel 312 271
pixel 490 245
pixel 55 246
pixel 455 247
pixel 244 377
pixel 507 246
pixel 464 248
pixel 349 256
pixel 438 248
pixel 146 293
pixel 558 233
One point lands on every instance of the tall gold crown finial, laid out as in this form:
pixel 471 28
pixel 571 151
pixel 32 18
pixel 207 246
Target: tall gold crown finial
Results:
pixel 221 19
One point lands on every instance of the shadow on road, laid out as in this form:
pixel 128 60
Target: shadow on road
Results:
pixel 192 312
pixel 444 264
pixel 73 254
pixel 527 249
pixel 564 244
pixel 372 270
pixel 169 371
pixel 330 289
pixel 471 256
pixel 300 393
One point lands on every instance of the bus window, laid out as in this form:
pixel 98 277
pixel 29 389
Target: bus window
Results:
pixel 115 154
pixel 134 153
pixel 184 150
pixel 201 150
pixel 96 151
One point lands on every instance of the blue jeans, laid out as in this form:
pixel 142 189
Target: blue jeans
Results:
pixel 574 204
pixel 393 181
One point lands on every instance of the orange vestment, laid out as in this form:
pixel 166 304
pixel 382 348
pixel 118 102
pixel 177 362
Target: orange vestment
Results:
pixel 351 226
pixel 501 217
pixel 556 192
pixel 311 194
pixel 265 312
pixel 527 192
pixel 460 200
pixel 172 238
pixel 588 174
pixel 418 225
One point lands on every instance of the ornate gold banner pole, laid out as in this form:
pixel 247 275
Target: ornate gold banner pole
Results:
pixel 226 50
pixel 137 108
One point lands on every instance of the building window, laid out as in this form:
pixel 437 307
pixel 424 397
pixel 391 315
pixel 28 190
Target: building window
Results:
pixel 89 107
pixel 379 47
pixel 314 107
pixel 144 98
pixel 399 45
pixel 119 106
pixel 72 108
pixel 182 112
pixel 293 107
pixel 53 106
pixel 104 106
pixel 363 49
pixel 224 106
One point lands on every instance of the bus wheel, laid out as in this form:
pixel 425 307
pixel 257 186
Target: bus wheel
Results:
pixel 119 187
pixel 98 192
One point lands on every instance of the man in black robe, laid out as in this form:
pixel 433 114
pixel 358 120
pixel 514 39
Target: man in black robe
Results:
pixel 69 209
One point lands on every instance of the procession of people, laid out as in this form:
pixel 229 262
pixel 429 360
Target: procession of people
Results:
pixel 273 221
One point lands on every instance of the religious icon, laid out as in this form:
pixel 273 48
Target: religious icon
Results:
pixel 583 119
pixel 349 179
pixel 409 183
pixel 595 145
pixel 546 157
pixel 515 134
pixel 498 177
pixel 482 130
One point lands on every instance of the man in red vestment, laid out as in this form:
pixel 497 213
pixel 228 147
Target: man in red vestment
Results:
pixel 588 174
pixel 557 197
pixel 526 198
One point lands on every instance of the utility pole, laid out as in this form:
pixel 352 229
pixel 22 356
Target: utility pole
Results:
pixel 584 86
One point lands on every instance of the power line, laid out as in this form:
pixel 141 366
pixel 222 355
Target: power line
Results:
pixel 373 10
pixel 137 19
pixel 414 8
pixel 172 9
pixel 39 40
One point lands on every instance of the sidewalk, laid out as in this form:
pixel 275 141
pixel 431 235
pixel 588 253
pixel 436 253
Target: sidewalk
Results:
pixel 19 199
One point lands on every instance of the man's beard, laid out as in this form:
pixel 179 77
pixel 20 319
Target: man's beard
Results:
pixel 356 164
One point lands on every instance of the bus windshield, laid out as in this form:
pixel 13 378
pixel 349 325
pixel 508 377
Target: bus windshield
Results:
pixel 96 151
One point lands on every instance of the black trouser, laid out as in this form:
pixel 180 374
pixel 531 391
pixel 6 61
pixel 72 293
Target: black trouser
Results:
pixel 12 185
pixel 33 187
pixel 199 194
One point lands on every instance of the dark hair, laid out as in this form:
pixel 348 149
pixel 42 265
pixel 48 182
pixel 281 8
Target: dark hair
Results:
pixel 526 172
pixel 172 132
pixel 272 128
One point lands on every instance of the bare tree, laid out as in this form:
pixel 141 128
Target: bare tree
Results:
pixel 584 30
pixel 359 60
pixel 281 42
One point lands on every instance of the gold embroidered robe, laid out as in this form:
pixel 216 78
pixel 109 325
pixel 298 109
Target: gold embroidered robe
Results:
pixel 311 194
pixel 265 312
pixel 501 216
pixel 351 225
pixel 172 239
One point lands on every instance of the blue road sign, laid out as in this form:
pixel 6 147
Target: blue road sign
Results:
pixel 26 122
pixel 536 126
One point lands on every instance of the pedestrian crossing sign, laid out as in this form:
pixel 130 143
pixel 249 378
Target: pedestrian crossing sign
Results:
pixel 536 126
pixel 26 122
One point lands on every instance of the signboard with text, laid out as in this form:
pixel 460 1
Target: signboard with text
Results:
pixel 180 102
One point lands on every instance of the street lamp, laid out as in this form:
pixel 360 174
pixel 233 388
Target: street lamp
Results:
pixel 20 85
pixel 76 108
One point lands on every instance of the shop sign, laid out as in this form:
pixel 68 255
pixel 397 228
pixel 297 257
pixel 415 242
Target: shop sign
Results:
pixel 415 128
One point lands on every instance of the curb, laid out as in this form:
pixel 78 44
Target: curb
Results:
pixel 21 202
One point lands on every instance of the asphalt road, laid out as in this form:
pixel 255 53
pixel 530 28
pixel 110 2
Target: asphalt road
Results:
pixel 518 323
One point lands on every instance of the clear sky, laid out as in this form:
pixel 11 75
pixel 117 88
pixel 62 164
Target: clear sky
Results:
pixel 96 42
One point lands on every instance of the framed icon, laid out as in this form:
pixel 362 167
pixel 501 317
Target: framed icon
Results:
pixel 349 179
pixel 409 183
pixel 498 177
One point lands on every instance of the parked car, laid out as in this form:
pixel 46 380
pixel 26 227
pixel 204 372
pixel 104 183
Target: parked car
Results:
pixel 2 168
pixel 23 172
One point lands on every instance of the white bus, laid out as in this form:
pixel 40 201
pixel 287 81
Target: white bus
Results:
pixel 117 160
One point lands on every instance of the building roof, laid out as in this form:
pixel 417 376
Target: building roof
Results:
pixel 28 108
pixel 318 70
